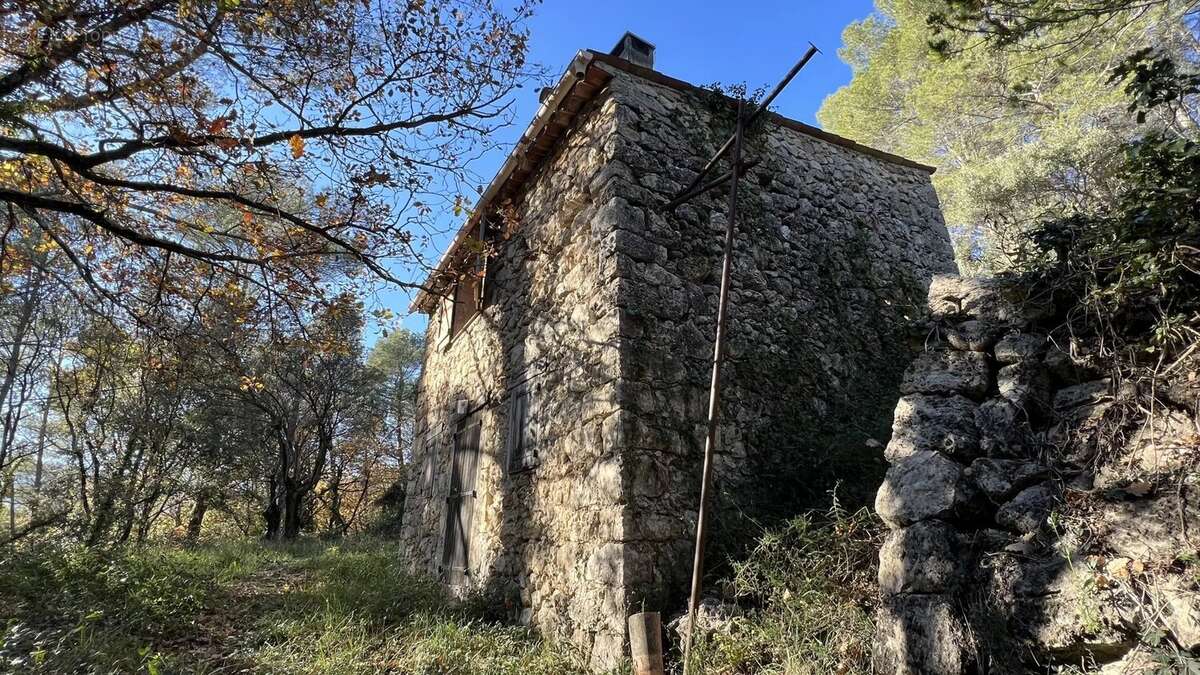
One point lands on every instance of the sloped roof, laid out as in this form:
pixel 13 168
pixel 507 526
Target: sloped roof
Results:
pixel 578 85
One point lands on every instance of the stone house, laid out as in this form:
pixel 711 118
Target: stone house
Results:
pixel 562 403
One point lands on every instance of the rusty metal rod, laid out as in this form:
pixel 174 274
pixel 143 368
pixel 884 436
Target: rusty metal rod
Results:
pixel 713 184
pixel 812 51
pixel 714 394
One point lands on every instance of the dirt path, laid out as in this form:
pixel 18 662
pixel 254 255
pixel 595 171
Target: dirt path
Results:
pixel 229 628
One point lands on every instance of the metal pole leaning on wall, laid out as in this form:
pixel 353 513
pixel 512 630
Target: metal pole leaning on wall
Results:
pixel 714 394
pixel 762 107
pixel 696 188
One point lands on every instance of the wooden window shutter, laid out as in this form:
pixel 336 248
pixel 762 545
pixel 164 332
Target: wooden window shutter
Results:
pixel 482 264
pixel 445 317
pixel 522 429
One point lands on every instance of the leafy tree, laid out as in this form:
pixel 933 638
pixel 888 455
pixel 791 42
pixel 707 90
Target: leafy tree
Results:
pixel 394 366
pixel 228 461
pixel 121 396
pixel 33 320
pixel 1135 268
pixel 268 421
pixel 1011 22
pixel 396 361
pixel 206 185
pixel 1129 267
pixel 304 381
pixel 1019 135
pixel 169 147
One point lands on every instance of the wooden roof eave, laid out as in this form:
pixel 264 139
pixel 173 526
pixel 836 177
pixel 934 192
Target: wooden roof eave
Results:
pixel 582 81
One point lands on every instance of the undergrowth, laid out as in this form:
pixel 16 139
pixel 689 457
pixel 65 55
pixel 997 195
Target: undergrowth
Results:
pixel 242 606
pixel 806 595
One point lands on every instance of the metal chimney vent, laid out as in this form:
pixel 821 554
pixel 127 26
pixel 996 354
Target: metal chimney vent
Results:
pixel 635 50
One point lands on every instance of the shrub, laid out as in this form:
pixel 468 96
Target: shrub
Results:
pixel 809 589
pixel 1132 274
pixel 67 604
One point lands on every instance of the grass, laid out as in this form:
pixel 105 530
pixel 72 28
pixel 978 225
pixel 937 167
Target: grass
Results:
pixel 308 607
pixel 808 592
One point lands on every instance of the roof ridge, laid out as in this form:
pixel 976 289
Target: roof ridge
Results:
pixel 548 124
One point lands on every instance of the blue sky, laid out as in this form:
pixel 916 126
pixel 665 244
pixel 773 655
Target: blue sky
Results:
pixel 753 41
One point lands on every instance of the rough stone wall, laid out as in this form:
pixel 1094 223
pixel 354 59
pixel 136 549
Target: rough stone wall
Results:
pixel 834 252
pixel 546 543
pixel 1042 515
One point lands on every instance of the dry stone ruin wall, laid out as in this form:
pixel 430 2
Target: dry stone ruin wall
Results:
pixel 546 544
pixel 1042 514
pixel 835 250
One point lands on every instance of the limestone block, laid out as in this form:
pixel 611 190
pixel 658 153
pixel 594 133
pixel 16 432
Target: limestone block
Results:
pixel 919 635
pixel 1051 606
pixel 991 300
pixel 933 423
pixel 925 557
pixel 1001 479
pixel 612 433
pixel 1069 363
pixel 648 476
pixel 1002 427
pixel 973 335
pixel 923 486
pixel 947 372
pixel 647 525
pixel 1086 393
pixel 621 215
pixel 603 481
pixel 1018 347
pixel 608 649
pixel 606 564
pixel 1027 511
pixel 1025 384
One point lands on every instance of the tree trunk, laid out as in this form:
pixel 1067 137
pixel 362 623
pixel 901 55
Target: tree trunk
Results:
pixel 151 515
pixel 293 516
pixel 104 512
pixel 336 524
pixel 277 488
pixel 273 514
pixel 37 465
pixel 196 521
pixel 148 516
pixel 139 474
pixel 12 506
pixel 12 363
pixel 126 526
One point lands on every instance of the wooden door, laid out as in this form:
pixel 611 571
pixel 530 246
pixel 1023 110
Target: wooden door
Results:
pixel 460 502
